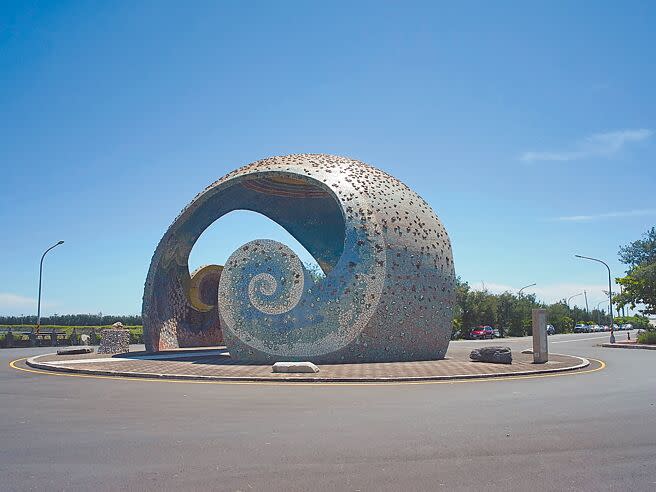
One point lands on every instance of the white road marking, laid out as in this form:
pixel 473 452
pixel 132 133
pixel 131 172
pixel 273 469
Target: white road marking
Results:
pixel 581 339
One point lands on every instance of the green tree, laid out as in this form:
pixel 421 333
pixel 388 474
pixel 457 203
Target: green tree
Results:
pixel 505 309
pixel 640 252
pixel 558 315
pixel 316 273
pixel 641 322
pixel 639 288
pixel 639 284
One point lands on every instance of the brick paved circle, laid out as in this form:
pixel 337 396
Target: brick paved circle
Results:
pixel 215 364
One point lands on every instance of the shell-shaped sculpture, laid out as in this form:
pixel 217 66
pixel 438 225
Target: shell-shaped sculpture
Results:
pixel 389 285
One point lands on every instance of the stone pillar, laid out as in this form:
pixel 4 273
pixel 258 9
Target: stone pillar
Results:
pixel 540 351
pixel 9 339
pixel 114 340
pixel 72 338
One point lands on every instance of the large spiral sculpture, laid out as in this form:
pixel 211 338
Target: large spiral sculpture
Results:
pixel 388 290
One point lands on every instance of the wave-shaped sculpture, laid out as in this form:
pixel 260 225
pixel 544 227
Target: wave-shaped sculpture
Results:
pixel 389 285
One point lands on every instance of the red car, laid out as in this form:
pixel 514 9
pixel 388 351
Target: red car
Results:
pixel 481 332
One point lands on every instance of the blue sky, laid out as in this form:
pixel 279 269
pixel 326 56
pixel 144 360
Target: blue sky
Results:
pixel 530 129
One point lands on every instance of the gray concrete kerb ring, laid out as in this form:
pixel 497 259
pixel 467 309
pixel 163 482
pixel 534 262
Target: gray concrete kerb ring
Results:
pixel 34 366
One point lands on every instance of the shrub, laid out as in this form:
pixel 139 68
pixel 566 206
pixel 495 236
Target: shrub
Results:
pixel 136 336
pixel 647 337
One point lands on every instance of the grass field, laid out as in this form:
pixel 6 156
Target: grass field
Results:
pixel 136 332
pixel 66 329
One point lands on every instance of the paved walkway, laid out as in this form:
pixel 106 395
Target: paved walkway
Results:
pixel 215 364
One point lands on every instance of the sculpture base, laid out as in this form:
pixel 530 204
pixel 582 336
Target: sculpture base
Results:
pixel 216 365
pixel 114 341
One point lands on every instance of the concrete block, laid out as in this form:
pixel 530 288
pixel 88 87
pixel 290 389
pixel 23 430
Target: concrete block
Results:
pixel 295 367
pixel 75 351
pixel 540 350
pixel 114 341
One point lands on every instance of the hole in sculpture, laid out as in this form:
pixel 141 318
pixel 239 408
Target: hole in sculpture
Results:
pixel 215 245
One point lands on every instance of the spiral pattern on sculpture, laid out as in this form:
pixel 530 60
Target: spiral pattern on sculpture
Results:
pixel 264 289
pixel 277 289
pixel 388 289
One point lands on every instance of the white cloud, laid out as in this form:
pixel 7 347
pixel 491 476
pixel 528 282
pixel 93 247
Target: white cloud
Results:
pixel 12 301
pixel 551 293
pixel 596 145
pixel 608 215
pixel 13 304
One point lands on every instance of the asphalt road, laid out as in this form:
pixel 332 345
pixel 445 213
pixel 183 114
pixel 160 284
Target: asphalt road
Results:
pixel 594 431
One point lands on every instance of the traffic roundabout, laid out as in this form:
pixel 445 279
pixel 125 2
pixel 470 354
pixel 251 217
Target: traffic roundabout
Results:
pixel 215 365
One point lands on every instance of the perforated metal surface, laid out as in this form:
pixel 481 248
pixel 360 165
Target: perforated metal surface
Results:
pixel 388 293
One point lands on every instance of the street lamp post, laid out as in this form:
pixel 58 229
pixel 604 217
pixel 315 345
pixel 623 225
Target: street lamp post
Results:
pixel 572 297
pixel 610 294
pixel 598 311
pixel 525 287
pixel 603 301
pixel 38 309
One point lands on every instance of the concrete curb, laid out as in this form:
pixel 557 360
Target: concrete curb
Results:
pixel 33 362
pixel 636 346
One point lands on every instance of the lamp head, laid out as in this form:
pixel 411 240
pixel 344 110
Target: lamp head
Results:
pixel 60 242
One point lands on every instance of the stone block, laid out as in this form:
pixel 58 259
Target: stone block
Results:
pixel 496 355
pixel 295 367
pixel 114 341
pixel 75 351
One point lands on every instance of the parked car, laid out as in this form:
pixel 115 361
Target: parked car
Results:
pixel 481 333
pixel 551 330
pixel 581 328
